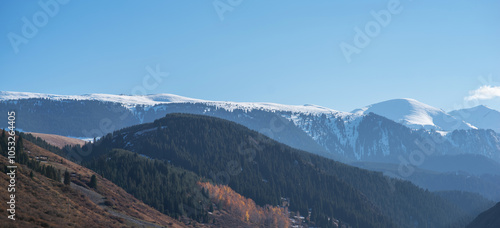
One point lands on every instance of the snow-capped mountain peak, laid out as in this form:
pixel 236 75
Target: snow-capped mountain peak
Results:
pixel 480 116
pixel 415 114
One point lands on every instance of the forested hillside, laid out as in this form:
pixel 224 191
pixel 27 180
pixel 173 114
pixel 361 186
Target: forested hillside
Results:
pixel 172 191
pixel 264 170
pixel 44 200
pixel 180 193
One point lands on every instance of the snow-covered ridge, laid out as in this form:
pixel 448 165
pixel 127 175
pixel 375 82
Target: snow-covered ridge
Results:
pixel 480 116
pixel 123 99
pixel 131 101
pixel 415 114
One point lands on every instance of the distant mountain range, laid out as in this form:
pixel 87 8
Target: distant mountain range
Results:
pixel 401 134
pixel 409 112
pixel 313 128
pixel 479 116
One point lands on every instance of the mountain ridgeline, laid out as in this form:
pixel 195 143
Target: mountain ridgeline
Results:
pixel 346 137
pixel 264 170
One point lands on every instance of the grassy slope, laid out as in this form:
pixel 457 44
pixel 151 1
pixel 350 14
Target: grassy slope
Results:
pixel 57 140
pixel 44 202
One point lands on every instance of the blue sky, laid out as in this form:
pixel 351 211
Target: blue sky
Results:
pixel 270 51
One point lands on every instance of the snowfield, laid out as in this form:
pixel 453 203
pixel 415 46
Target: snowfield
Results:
pixel 132 101
pixel 416 115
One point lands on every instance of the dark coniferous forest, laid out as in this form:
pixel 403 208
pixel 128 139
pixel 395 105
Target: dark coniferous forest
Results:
pixel 264 170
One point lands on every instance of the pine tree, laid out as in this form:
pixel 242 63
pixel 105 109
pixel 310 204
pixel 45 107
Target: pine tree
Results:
pixel 93 182
pixel 19 144
pixel 67 178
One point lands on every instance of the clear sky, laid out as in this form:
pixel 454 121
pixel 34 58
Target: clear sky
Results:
pixel 292 52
